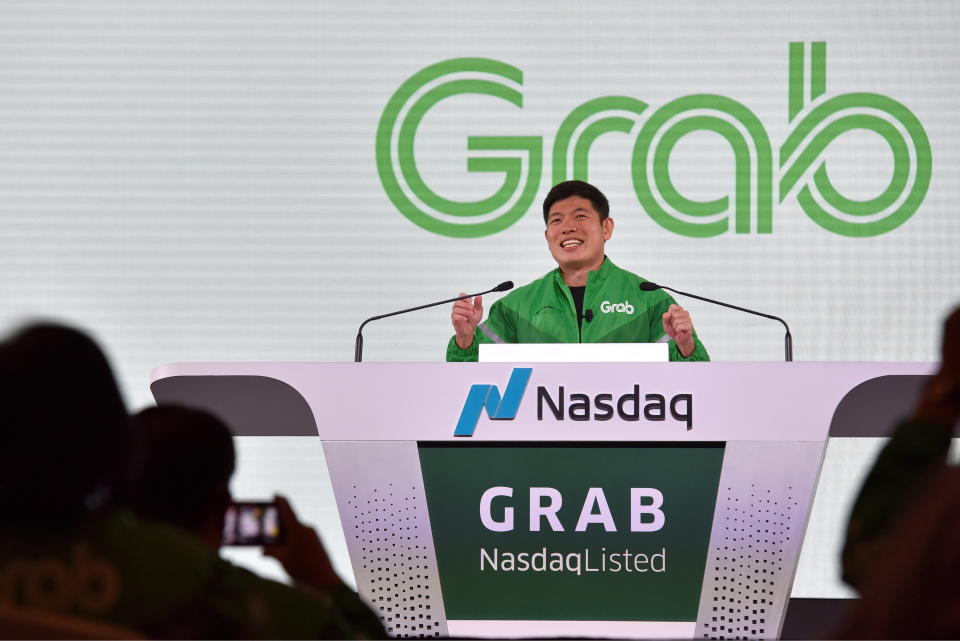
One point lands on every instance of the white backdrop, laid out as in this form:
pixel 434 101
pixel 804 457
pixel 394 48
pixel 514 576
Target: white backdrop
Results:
pixel 198 181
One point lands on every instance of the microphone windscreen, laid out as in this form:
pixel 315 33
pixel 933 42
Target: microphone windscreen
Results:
pixel 504 286
pixel 647 286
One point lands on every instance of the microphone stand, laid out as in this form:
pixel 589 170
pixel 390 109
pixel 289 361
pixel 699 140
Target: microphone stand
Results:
pixel 787 339
pixel 358 346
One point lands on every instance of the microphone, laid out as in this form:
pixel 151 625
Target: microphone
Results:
pixel 588 315
pixel 647 286
pixel 358 347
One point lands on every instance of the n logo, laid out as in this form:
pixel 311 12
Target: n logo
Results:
pixel 488 396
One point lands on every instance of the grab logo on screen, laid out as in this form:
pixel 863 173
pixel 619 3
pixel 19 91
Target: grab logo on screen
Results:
pixel 816 118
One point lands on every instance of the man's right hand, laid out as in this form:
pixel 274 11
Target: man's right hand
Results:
pixel 466 315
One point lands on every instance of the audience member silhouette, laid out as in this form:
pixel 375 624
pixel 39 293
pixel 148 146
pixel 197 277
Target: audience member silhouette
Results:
pixel 182 463
pixel 916 452
pixel 903 537
pixel 913 591
pixel 65 547
pixel 64 429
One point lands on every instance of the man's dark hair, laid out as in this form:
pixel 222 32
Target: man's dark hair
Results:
pixel 570 188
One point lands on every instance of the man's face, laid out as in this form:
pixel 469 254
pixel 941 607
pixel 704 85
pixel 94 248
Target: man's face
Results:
pixel 575 234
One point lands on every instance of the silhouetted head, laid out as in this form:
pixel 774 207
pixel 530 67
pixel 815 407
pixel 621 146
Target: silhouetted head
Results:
pixel 185 458
pixel 63 426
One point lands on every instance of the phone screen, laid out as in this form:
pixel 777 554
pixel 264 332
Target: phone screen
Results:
pixel 252 523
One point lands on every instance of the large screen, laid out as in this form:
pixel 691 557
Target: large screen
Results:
pixel 248 181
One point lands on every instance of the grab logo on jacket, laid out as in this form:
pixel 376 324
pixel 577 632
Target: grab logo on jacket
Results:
pixel 625 307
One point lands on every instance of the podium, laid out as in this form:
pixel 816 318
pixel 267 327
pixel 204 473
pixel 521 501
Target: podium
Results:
pixel 661 500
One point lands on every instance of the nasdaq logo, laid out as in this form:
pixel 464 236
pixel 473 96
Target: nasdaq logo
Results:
pixel 488 397
pixel 763 174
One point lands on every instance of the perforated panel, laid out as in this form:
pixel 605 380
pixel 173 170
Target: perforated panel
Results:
pixel 394 553
pixel 757 532
pixel 387 526
pixel 749 565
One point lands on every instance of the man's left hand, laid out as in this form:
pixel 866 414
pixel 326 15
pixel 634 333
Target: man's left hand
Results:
pixel 679 327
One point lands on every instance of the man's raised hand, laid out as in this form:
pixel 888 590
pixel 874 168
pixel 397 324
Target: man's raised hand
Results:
pixel 466 315
pixel 678 326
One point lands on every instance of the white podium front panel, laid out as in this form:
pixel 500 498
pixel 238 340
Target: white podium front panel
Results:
pixel 637 500
pixel 557 402
pixel 573 352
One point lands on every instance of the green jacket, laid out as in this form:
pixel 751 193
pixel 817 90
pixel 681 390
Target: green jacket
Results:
pixel 544 312
pixel 164 583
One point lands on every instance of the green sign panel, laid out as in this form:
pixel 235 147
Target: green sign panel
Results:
pixel 614 532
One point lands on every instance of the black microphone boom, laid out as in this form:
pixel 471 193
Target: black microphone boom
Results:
pixel 358 347
pixel 647 286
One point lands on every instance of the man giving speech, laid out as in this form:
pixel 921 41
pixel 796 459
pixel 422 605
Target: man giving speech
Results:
pixel 587 299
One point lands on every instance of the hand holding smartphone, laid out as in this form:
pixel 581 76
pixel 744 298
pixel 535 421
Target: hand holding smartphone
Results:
pixel 252 523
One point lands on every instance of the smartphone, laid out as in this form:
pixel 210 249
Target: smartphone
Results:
pixel 252 523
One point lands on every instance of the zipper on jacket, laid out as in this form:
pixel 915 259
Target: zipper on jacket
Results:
pixel 578 317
